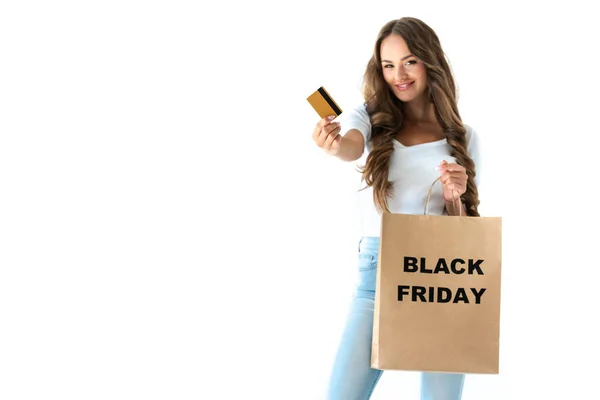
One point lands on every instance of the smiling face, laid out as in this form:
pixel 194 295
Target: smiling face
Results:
pixel 404 73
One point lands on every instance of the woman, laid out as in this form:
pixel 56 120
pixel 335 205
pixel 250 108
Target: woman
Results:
pixel 408 123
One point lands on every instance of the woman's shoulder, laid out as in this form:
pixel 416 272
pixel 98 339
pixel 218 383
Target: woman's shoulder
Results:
pixel 356 111
pixel 471 138
pixel 473 146
pixel 470 132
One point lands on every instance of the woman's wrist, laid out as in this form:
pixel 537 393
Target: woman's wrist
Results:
pixel 454 207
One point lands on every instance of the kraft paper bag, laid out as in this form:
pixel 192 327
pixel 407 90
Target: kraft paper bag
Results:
pixel 437 302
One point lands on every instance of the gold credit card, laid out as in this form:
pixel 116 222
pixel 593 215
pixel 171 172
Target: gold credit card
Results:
pixel 323 104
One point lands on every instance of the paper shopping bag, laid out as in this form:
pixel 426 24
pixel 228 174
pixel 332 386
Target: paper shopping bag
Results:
pixel 437 302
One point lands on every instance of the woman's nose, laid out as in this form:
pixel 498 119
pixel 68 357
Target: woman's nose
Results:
pixel 401 73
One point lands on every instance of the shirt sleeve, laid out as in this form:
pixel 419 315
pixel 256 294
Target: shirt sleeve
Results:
pixel 474 150
pixel 356 118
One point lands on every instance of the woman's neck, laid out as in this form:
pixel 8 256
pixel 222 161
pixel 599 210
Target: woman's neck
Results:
pixel 419 111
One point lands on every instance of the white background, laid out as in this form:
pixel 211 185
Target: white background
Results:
pixel 168 229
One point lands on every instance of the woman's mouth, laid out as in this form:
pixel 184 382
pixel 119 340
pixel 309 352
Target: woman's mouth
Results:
pixel 404 86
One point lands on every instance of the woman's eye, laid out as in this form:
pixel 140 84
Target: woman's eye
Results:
pixel 411 62
pixel 388 66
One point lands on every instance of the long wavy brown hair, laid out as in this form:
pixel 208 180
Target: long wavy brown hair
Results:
pixel 385 109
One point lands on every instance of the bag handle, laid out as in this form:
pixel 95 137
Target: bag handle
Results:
pixel 429 197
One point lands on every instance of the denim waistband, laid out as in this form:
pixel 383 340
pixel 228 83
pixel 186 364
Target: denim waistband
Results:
pixel 368 243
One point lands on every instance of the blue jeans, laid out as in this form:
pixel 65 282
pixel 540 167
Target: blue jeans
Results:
pixel 352 377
